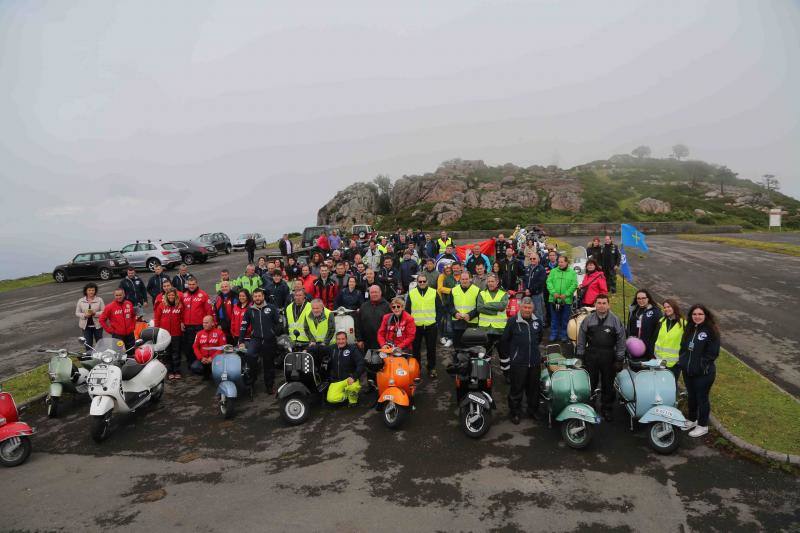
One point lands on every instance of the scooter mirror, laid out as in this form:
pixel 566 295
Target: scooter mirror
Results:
pixel 82 339
pixel 138 342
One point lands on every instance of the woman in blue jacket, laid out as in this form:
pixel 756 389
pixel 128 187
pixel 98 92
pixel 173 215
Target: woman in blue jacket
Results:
pixel 698 353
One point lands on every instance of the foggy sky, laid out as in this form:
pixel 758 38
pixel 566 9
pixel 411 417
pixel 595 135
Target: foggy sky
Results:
pixel 132 120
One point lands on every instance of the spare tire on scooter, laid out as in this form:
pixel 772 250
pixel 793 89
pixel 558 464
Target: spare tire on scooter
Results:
pixel 476 426
pixel 295 409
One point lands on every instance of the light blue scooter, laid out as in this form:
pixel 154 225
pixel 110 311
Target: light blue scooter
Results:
pixel 231 374
pixel 649 396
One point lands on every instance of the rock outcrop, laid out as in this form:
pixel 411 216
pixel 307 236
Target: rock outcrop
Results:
pixel 653 206
pixel 357 204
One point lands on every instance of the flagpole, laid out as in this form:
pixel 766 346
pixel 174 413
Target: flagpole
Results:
pixel 624 309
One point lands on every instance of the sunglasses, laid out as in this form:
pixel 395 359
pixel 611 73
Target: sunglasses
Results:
pixel 423 281
pixel 397 306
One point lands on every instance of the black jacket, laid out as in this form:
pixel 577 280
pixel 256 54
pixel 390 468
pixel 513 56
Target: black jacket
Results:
pixel 510 273
pixel 278 295
pixel 648 329
pixel 179 282
pixel 390 279
pixel 609 256
pixel 535 279
pixel 347 362
pixel 369 321
pixel 265 322
pixel 250 244
pixel 349 299
pixel 155 284
pixel 521 340
pixel 596 253
pixel 284 247
pixel 699 351
pixel 135 291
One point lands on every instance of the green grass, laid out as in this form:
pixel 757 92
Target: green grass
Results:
pixel 25 386
pixel 774 247
pixel 27 281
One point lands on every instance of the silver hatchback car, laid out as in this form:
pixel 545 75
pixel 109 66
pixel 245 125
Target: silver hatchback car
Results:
pixel 148 254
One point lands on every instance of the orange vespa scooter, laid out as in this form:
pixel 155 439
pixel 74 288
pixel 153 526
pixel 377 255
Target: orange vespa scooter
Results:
pixel 398 377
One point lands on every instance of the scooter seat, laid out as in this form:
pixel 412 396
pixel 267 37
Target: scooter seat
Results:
pixel 130 370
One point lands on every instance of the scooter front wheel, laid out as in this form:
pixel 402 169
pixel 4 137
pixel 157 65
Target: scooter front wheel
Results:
pixel 475 420
pixel 52 406
pixel 295 410
pixel 662 437
pixel 577 433
pixel 394 415
pixel 101 426
pixel 15 451
pixel 227 406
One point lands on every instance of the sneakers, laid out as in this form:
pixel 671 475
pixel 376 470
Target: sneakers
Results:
pixel 691 424
pixel 170 376
pixel 448 344
pixel 443 340
pixel 698 431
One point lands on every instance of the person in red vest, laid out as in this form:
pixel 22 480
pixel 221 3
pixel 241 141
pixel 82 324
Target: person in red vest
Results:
pixel 211 336
pixel 196 305
pixel 119 319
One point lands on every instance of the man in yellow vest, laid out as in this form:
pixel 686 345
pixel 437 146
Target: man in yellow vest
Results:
pixel 319 327
pixel 421 304
pixel 443 242
pixel 296 313
pixel 465 303
pixel 491 305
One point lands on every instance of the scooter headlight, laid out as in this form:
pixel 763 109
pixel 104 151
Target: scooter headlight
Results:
pixel 107 358
pixel 2 421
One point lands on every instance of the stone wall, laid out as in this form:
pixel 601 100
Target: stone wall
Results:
pixel 600 229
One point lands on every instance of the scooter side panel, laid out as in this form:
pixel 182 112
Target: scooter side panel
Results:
pixel 230 364
pixel 653 388
pixel 396 395
pixel 152 374
pixel 60 369
pixel 15 429
pixel 580 411
pixel 101 405
pixel 624 384
pixel 228 389
pixel 564 382
pixel 664 413
pixel 291 388
pixel 56 390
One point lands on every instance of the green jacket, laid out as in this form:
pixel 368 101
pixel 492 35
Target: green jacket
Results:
pixel 562 282
pixel 251 284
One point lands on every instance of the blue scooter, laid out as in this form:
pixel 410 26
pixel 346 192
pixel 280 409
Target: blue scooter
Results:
pixel 648 392
pixel 231 374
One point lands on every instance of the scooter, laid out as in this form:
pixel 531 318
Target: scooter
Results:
pixel 304 384
pixel 343 320
pixel 473 379
pixel 649 396
pixel 15 442
pixel 566 391
pixel 398 377
pixel 231 373
pixel 122 385
pixel 65 376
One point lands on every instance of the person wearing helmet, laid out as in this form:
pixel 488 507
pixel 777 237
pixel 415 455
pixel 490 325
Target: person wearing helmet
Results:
pixel 644 321
pixel 210 336
pixel 601 347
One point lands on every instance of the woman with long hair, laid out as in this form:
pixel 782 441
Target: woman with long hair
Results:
pixel 670 333
pixel 169 316
pixel 698 354
pixel 593 284
pixel 643 321
pixel 237 313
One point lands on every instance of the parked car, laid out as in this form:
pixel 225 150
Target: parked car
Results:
pixel 149 254
pixel 194 251
pixel 311 233
pixel 220 241
pixel 363 232
pixel 238 244
pixel 92 265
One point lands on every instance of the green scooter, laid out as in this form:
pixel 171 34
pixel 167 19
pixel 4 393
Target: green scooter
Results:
pixel 66 376
pixel 567 392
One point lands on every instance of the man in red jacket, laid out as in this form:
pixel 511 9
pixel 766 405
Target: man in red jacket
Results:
pixel 397 327
pixel 196 306
pixel 209 337
pixel 325 288
pixel 119 319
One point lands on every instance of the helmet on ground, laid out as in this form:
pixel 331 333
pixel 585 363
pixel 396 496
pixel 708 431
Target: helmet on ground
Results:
pixel 144 354
pixel 635 346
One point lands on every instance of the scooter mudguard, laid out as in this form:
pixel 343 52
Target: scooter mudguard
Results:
pixel 580 411
pixel 479 397
pixel 101 405
pixel 15 429
pixel 664 413
pixel 291 388
pixel 56 390
pixel 227 389
pixel 396 395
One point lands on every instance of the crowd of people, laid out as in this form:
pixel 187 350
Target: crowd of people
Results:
pixel 413 291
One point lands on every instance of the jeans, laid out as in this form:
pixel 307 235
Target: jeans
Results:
pixel 251 254
pixel 699 388
pixel 172 355
pixel 265 349
pixel 558 321
pixel 611 278
pixel 189 333
pixel 524 381
pixel 445 325
pixel 92 335
pixel 428 333
pixel 539 308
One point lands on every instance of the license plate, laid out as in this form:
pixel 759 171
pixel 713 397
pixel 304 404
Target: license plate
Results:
pixel 476 398
pixel 579 411
pixel 387 397
pixel 663 412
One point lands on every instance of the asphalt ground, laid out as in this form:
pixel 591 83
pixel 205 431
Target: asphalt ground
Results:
pixel 754 294
pixel 179 466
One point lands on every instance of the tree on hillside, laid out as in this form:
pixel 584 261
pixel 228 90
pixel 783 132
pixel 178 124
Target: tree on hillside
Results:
pixel 724 175
pixel 696 170
pixel 770 183
pixel 680 151
pixel 384 184
pixel 641 151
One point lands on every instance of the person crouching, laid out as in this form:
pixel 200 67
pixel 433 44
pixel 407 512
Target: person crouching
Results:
pixel 345 366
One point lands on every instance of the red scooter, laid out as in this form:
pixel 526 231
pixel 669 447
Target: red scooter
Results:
pixel 15 442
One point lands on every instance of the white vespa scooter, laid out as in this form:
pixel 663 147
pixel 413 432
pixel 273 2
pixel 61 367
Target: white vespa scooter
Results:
pixel 122 385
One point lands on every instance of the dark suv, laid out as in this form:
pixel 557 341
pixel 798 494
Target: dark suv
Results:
pixel 194 251
pixel 311 233
pixel 220 241
pixel 92 265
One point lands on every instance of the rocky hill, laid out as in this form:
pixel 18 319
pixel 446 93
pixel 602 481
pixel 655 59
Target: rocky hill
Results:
pixel 463 194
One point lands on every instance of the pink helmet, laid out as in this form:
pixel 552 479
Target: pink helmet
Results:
pixel 635 346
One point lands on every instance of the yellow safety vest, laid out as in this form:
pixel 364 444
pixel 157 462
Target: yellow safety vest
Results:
pixel 668 343
pixel 381 248
pixel 444 244
pixel 465 302
pixel 423 307
pixel 297 323
pixel 319 331
pixel 498 320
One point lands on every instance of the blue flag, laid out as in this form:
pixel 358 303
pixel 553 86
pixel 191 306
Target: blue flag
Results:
pixel 633 238
pixel 624 267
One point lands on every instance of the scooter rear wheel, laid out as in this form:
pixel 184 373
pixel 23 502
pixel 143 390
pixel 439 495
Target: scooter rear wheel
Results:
pixel 475 420
pixel 15 451
pixel 52 406
pixel 662 437
pixel 227 406
pixel 577 433
pixel 394 415
pixel 295 410
pixel 101 425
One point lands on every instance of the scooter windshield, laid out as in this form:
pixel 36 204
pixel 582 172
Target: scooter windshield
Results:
pixel 109 348
pixel 579 255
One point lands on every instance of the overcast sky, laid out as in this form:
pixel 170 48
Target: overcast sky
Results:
pixel 126 120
